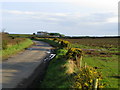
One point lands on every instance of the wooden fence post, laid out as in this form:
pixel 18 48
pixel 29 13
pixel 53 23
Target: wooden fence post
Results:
pixel 80 61
pixel 85 64
pixel 77 62
pixel 95 84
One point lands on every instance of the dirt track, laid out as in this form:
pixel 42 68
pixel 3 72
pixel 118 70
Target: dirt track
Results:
pixel 19 68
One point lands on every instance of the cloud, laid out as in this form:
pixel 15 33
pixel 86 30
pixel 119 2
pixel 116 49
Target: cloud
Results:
pixel 97 18
pixel 18 12
pixel 67 23
pixel 112 20
pixel 64 18
pixel 91 19
pixel 37 14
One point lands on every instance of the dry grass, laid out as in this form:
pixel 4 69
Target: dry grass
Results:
pixel 70 67
pixel 8 41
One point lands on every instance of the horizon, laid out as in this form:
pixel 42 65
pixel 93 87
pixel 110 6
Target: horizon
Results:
pixel 73 35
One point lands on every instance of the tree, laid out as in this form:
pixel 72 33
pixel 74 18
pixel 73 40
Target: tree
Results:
pixel 54 34
pixel 33 33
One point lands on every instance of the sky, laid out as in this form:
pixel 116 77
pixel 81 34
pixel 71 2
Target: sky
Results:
pixel 68 17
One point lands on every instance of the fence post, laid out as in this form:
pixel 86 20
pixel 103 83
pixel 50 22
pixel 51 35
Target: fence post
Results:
pixel 77 61
pixel 80 61
pixel 95 84
pixel 85 64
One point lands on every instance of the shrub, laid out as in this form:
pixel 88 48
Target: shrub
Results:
pixel 55 39
pixel 65 43
pixel 73 53
pixel 85 77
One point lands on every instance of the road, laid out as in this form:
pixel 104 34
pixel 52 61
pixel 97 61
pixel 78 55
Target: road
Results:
pixel 20 67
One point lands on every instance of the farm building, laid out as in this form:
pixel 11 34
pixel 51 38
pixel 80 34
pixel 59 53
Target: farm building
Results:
pixel 42 33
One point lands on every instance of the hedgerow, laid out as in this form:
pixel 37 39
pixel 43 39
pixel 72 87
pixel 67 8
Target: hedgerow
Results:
pixel 84 76
pixel 63 43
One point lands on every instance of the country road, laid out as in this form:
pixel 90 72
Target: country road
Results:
pixel 20 67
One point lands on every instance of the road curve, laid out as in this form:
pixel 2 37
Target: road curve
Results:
pixel 20 67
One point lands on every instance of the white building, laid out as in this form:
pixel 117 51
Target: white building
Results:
pixel 42 33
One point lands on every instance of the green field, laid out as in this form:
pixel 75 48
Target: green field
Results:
pixel 103 54
pixel 108 67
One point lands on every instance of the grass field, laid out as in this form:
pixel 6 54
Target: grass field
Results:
pixel 101 53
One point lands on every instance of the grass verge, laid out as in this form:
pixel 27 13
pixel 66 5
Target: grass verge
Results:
pixel 15 48
pixel 56 76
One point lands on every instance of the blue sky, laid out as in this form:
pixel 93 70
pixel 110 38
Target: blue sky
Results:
pixel 74 18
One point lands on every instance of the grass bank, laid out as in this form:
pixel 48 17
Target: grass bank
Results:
pixel 65 69
pixel 56 76
pixel 15 48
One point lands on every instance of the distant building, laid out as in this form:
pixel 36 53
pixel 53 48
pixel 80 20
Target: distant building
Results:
pixel 46 34
pixel 56 36
pixel 42 33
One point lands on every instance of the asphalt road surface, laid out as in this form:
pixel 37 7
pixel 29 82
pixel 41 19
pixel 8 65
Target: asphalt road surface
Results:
pixel 20 67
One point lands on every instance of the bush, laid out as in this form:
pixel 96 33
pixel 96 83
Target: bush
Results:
pixel 63 43
pixel 73 53
pixel 85 77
